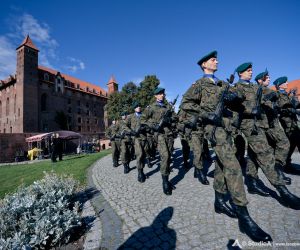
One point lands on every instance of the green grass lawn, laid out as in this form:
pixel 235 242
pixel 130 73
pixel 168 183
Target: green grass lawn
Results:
pixel 13 176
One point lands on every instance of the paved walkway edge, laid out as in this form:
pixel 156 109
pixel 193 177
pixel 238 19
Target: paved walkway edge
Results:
pixel 111 223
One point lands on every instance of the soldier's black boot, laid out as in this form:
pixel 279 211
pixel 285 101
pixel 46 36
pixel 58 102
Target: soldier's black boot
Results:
pixel 222 207
pixel 126 168
pixel 115 164
pixel 254 187
pixel 248 226
pixel 186 164
pixel 167 186
pixel 278 168
pixel 148 162
pixel 201 176
pixel 287 197
pixel 141 175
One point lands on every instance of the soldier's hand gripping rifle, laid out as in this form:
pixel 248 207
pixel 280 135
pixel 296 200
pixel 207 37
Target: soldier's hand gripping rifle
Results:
pixel 217 117
pixel 166 118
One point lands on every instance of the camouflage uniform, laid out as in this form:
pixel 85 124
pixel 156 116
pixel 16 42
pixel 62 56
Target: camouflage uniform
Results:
pixel 112 133
pixel 204 100
pixel 289 123
pixel 125 132
pixel 258 146
pixel 185 137
pixel 152 116
pixel 140 139
pixel 194 130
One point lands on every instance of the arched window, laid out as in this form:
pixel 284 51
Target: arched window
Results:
pixel 44 102
pixel 7 106
pixel 46 77
pixel 0 109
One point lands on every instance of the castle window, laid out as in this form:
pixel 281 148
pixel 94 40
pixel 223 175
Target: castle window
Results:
pixel 19 112
pixel 87 89
pixel 44 102
pixel 79 120
pixel 45 127
pixel 15 104
pixel 10 129
pixel 0 109
pixel 78 86
pixel 7 106
pixel 100 92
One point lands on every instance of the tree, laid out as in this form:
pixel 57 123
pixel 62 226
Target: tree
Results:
pixel 122 101
pixel 145 91
pixel 113 106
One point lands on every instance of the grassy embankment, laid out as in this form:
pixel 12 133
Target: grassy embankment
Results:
pixel 13 176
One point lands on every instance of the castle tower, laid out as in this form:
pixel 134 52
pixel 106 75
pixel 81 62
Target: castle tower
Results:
pixel 112 85
pixel 27 87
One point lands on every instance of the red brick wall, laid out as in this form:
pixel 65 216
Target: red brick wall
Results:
pixel 10 144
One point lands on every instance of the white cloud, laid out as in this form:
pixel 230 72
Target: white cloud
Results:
pixel 7 58
pixel 40 33
pixel 73 65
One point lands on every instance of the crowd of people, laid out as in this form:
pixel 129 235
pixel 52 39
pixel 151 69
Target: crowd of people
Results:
pixel 234 118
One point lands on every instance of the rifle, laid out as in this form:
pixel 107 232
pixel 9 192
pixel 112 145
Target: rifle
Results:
pixel 218 115
pixel 167 114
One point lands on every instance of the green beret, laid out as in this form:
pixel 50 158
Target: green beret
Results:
pixel 280 80
pixel 136 104
pixel 207 57
pixel 158 91
pixel 261 75
pixel 124 113
pixel 243 67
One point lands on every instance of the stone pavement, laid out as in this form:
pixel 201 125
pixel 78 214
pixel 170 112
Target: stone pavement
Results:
pixel 140 215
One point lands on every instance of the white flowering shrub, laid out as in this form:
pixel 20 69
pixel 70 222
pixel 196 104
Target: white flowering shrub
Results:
pixel 40 216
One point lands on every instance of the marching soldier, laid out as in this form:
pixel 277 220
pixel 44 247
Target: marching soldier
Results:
pixel 262 153
pixel 275 134
pixel 159 117
pixel 194 127
pixel 207 99
pixel 185 138
pixel 125 134
pixel 140 140
pixel 112 133
pixel 289 113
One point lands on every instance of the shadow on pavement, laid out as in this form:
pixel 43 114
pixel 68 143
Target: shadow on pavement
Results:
pixel 158 234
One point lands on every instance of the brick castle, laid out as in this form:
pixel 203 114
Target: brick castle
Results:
pixel 39 99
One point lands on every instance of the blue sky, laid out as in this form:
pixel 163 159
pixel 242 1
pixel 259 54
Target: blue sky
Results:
pixel 92 40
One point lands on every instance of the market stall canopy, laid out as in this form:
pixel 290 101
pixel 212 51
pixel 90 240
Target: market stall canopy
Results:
pixel 63 134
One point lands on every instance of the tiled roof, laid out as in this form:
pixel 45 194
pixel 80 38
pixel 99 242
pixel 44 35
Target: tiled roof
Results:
pixel 28 42
pixel 83 84
pixel 295 84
